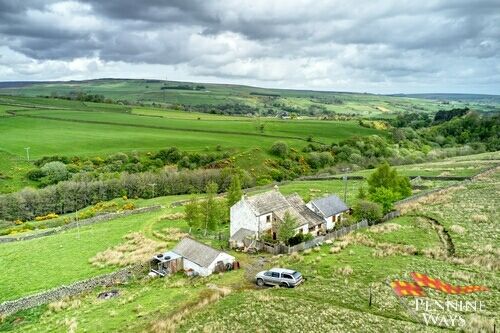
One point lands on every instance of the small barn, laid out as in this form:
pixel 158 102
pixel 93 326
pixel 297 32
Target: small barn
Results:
pixel 201 259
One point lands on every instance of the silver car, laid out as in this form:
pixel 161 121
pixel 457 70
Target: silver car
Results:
pixel 279 277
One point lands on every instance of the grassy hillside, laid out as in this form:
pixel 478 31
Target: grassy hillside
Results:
pixel 190 94
pixel 74 128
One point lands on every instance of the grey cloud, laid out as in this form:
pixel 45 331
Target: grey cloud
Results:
pixel 383 40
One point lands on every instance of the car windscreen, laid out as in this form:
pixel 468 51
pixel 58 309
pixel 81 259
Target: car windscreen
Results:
pixel 296 275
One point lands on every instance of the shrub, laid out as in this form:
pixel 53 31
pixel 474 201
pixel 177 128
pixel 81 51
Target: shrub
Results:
pixel 86 214
pixel 368 210
pixel 387 177
pixel 35 174
pixel 46 217
pixel 308 237
pixel 54 172
pixel 297 239
pixel 280 149
pixel 286 228
pixel 128 206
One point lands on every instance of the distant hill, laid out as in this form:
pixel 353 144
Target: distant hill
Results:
pixel 247 100
pixel 454 97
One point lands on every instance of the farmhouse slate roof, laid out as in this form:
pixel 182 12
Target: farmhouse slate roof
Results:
pixel 280 214
pixel 298 203
pixel 196 252
pixel 295 199
pixel 267 202
pixel 273 201
pixel 330 205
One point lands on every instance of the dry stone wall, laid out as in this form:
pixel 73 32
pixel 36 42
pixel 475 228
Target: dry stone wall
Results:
pixel 52 295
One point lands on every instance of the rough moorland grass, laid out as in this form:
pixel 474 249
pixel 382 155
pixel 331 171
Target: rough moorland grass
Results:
pixel 136 303
pixel 339 302
pixel 43 263
pixel 455 166
pixel 407 231
pixel 474 208
pixel 139 306
pixel 331 300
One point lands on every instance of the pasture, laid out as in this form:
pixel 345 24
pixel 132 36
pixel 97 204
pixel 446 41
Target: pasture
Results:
pixel 335 295
pixel 91 130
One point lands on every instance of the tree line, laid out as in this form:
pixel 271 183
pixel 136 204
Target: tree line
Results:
pixel 69 196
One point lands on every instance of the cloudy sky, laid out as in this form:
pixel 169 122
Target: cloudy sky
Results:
pixel 384 46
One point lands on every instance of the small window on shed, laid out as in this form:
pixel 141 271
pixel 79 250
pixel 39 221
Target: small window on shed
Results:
pixel 268 218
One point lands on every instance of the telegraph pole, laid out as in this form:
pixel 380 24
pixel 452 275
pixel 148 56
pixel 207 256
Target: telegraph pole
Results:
pixel 27 153
pixel 345 184
pixel 77 224
pixel 165 90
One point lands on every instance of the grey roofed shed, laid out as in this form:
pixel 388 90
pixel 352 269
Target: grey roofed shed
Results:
pixel 164 257
pixel 330 205
pixel 199 253
pixel 242 234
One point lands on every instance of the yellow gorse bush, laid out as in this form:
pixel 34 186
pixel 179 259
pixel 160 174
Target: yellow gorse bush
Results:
pixel 49 216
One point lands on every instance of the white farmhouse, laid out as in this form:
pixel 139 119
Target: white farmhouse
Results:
pixel 254 216
pixel 202 259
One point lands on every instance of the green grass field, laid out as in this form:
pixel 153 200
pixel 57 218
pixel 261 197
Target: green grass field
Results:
pixel 98 131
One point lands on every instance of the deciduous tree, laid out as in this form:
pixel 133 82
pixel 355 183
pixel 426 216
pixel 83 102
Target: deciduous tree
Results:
pixel 194 215
pixel 286 229
pixel 234 191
